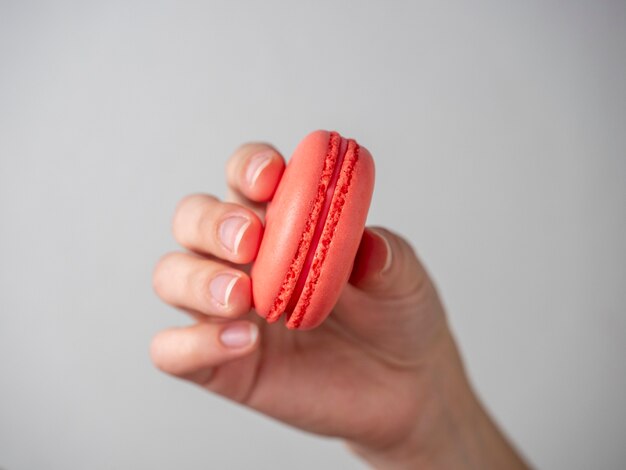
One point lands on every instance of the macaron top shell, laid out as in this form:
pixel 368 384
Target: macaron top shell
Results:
pixel 313 228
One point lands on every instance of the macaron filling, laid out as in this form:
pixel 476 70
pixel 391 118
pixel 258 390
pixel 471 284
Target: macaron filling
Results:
pixel 319 227
pixel 325 245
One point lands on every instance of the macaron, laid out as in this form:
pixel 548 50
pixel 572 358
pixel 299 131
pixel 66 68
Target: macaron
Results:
pixel 313 228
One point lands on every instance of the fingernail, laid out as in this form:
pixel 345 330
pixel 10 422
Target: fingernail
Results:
pixel 232 230
pixel 221 286
pixel 239 335
pixel 256 165
pixel 389 255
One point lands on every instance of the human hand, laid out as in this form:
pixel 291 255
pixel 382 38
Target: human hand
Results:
pixel 382 372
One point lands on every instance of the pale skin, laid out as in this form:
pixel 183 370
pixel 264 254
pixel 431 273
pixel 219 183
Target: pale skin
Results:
pixel 382 372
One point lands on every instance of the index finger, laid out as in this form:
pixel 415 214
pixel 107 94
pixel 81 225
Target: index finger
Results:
pixel 253 172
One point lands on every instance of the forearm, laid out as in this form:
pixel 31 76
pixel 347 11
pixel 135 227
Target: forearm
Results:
pixel 454 431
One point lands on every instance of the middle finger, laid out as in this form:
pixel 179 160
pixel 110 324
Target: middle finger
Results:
pixel 229 231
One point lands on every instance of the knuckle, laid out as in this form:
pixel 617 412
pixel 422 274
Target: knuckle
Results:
pixel 156 354
pixel 189 201
pixel 159 274
pixel 191 211
pixel 179 212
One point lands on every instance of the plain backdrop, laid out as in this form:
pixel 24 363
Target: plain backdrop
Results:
pixel 499 132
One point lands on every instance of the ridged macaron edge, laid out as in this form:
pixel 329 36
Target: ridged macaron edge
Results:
pixel 335 271
pixel 295 268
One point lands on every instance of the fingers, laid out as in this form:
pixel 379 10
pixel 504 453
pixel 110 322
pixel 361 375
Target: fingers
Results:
pixel 229 231
pixel 254 171
pixel 192 352
pixel 198 284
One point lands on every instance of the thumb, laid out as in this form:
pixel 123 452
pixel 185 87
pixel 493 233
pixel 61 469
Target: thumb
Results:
pixel 386 266
pixel 390 301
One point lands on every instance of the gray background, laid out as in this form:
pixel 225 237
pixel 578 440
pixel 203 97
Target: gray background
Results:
pixel 499 135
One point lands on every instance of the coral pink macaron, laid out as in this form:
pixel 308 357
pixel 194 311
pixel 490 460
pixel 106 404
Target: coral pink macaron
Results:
pixel 313 228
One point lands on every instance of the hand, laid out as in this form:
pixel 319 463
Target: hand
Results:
pixel 382 372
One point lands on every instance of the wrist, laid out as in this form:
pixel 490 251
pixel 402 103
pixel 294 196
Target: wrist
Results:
pixel 452 430
pixel 447 401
